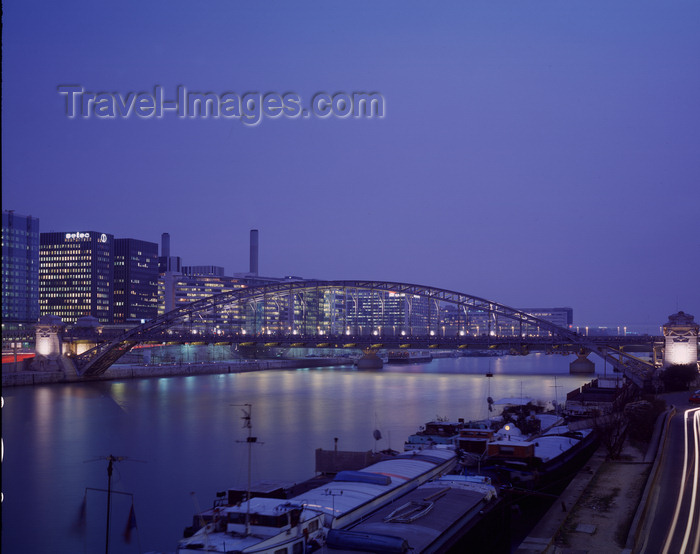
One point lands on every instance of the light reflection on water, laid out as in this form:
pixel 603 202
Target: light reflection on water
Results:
pixel 187 429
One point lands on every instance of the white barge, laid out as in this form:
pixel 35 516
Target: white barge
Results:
pixel 354 494
pixel 279 526
pixel 428 520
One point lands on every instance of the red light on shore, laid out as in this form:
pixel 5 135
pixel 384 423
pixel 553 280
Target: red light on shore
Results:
pixel 11 358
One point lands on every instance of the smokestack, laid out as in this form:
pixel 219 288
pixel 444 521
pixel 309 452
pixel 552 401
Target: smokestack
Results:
pixel 254 251
pixel 165 245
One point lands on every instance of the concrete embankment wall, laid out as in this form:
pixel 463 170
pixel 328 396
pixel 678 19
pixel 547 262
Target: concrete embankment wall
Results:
pixel 22 377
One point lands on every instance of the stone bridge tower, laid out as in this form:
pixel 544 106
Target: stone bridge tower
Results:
pixel 680 340
pixel 49 344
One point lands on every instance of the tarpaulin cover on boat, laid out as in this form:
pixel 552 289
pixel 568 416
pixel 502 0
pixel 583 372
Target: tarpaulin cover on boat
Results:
pixel 363 477
pixel 368 542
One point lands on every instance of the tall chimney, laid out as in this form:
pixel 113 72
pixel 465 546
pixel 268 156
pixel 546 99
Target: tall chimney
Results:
pixel 254 251
pixel 165 245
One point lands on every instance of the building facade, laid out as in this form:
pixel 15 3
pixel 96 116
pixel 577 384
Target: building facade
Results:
pixel 176 290
pixel 76 275
pixel 210 270
pixel 388 313
pixel 563 317
pixel 20 270
pixel 481 322
pixel 135 281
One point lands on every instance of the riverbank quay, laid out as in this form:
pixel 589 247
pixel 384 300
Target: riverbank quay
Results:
pixel 119 372
pixel 601 508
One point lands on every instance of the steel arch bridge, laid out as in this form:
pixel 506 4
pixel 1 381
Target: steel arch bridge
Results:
pixel 342 310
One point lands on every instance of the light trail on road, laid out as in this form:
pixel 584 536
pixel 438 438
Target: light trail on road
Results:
pixel 693 519
pixel 688 481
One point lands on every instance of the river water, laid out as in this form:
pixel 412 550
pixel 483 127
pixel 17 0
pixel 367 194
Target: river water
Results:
pixel 181 439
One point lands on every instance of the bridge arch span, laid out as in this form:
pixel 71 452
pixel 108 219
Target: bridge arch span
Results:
pixel 352 307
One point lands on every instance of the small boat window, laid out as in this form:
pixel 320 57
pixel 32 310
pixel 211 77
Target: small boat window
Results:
pixel 259 519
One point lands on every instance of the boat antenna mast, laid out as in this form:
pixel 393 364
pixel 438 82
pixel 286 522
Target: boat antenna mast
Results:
pixel 110 468
pixel 557 407
pixel 489 399
pixel 247 410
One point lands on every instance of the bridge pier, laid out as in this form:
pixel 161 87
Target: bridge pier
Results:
pixel 582 365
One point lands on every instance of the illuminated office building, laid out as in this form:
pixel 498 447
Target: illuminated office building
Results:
pixel 388 313
pixel 190 288
pixel 174 291
pixel 563 317
pixel 20 270
pixel 179 285
pixel 135 281
pixel 476 322
pixel 76 275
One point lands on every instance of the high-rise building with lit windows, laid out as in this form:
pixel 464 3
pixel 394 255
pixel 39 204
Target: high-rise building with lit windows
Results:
pixel 20 270
pixel 190 288
pixel 135 280
pixel 76 275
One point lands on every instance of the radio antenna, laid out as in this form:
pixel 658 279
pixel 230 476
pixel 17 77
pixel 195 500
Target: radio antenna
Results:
pixel 110 467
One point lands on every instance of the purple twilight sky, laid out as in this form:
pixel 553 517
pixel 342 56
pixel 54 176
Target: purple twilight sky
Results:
pixel 536 153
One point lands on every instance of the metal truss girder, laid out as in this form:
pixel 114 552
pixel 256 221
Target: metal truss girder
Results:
pixel 98 359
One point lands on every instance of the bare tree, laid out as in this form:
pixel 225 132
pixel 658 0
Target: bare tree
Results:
pixel 612 430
